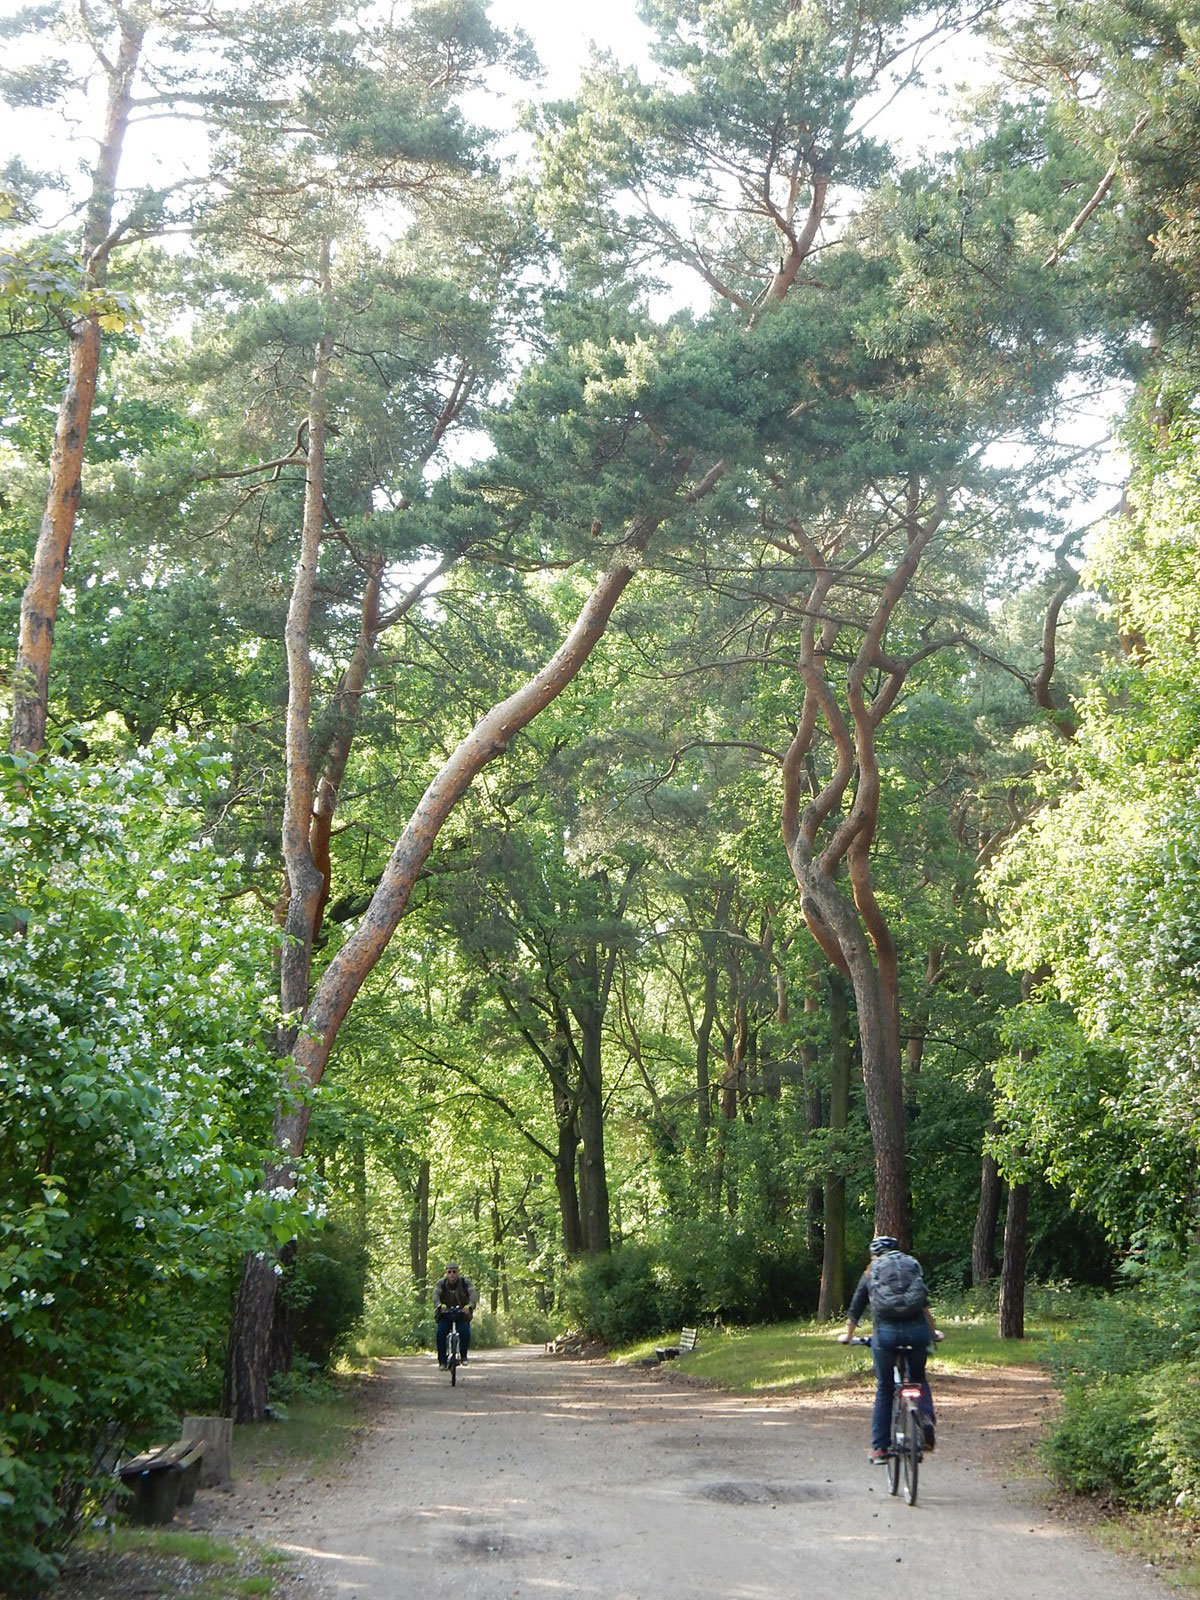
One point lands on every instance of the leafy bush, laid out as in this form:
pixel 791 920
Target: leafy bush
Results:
pixel 615 1296
pixel 1133 1437
pixel 324 1291
pixel 1130 1423
pixel 136 1104
pixel 701 1270
pixel 720 1271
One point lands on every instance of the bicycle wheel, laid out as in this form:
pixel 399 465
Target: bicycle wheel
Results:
pixel 913 1438
pixel 893 1461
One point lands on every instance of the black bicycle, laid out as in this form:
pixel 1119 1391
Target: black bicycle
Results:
pixel 906 1439
pixel 453 1347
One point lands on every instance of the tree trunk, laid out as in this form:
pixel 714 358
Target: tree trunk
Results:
pixel 305 883
pixel 564 1174
pixel 1012 1273
pixel 346 973
pixel 39 604
pixel 987 1215
pixel 593 1178
pixel 855 937
pixel 813 1117
pixel 247 1358
pixel 833 1264
pixel 418 1232
pixel 708 1018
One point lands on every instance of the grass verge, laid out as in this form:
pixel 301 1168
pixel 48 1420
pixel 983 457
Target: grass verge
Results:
pixel 780 1356
pixel 1167 1541
pixel 169 1562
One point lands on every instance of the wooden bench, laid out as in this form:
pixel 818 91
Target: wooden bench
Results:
pixel 688 1340
pixel 161 1480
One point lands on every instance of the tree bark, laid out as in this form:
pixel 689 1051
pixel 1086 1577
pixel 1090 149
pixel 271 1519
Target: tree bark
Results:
pixel 593 1178
pixel 1012 1272
pixel 39 604
pixel 818 1191
pixel 418 1232
pixel 246 1361
pixel 987 1216
pixel 833 1262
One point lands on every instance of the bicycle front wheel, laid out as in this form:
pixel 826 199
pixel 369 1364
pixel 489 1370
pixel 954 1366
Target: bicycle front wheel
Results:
pixel 913 1436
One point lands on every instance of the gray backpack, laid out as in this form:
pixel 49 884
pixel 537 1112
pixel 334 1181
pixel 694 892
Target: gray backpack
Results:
pixel 896 1287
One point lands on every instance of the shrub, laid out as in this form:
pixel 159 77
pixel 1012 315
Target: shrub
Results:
pixel 615 1296
pixel 324 1291
pixel 717 1270
pixel 1100 1441
pixel 702 1269
pixel 136 1103
pixel 1130 1423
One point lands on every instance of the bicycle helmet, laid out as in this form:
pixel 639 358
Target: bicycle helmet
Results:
pixel 882 1243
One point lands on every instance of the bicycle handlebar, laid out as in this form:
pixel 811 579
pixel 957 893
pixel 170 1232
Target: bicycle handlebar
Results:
pixel 865 1338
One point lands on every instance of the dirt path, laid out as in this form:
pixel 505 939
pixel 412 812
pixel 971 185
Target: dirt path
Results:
pixel 548 1479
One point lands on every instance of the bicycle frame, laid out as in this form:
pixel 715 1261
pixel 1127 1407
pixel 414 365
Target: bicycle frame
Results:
pixel 453 1348
pixel 906 1438
pixel 906 1447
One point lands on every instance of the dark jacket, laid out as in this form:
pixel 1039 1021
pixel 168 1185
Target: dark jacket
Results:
pixel 462 1293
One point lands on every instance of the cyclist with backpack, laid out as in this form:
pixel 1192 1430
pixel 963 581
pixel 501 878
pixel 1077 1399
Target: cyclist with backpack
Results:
pixel 894 1286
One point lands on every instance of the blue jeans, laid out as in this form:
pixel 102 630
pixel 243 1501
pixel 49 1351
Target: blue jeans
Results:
pixel 445 1318
pixel 885 1336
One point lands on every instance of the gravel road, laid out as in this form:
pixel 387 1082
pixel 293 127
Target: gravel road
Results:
pixel 553 1479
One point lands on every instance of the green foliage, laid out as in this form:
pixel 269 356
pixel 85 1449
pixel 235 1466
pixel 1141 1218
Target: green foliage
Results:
pixel 324 1291
pixel 137 1087
pixel 1133 1437
pixel 721 1270
pixel 1130 1422
pixel 616 1296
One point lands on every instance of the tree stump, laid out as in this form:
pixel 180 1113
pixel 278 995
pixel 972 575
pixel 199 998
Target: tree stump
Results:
pixel 217 1433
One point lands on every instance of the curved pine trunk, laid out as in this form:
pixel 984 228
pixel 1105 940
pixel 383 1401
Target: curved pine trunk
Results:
pixel 39 604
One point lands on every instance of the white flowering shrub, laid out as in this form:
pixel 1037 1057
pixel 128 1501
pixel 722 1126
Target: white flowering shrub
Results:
pixel 137 1092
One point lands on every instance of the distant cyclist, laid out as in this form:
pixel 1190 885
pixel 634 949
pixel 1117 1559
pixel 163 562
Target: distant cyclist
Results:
pixel 453 1293
pixel 894 1286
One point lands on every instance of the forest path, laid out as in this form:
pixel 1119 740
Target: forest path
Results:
pixel 578 1480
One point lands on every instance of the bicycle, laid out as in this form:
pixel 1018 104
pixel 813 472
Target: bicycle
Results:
pixel 453 1347
pixel 906 1438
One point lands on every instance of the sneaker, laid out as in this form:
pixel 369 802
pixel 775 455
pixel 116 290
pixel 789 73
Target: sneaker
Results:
pixel 930 1438
pixel 443 1365
pixel 877 1457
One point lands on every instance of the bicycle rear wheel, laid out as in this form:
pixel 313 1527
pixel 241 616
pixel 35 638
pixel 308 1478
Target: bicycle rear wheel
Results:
pixel 894 1446
pixel 913 1438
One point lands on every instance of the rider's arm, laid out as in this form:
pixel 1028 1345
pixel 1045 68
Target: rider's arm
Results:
pixel 857 1306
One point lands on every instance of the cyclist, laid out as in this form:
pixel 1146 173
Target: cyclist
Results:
pixel 453 1292
pixel 897 1318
